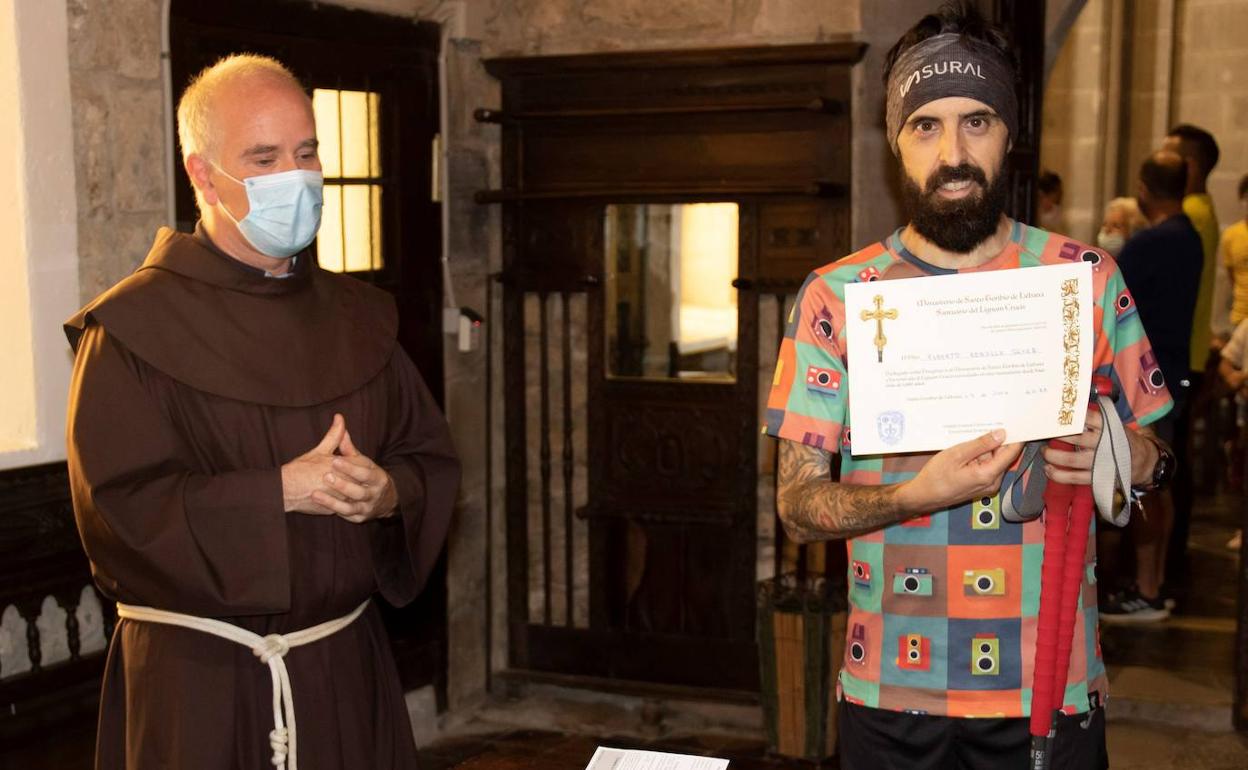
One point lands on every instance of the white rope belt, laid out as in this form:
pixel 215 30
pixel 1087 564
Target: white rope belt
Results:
pixel 271 650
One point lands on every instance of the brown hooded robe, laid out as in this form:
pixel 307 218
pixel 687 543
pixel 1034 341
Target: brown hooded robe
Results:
pixel 195 379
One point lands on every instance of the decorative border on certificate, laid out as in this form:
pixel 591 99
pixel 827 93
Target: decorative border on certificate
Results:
pixel 1070 341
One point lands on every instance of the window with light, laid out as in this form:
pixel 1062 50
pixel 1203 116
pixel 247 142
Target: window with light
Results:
pixel 347 129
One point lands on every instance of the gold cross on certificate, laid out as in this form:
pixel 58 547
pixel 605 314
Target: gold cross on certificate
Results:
pixel 878 315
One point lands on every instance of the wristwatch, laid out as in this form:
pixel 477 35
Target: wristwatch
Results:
pixel 1163 471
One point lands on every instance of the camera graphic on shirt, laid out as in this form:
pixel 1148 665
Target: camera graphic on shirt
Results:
pixel 857 650
pixel 916 581
pixel 1124 304
pixel 913 652
pixel 985 655
pixel 986 513
pixel 984 582
pixel 822 326
pixel 1071 251
pixel 826 381
pixel 1150 374
pixel 862 573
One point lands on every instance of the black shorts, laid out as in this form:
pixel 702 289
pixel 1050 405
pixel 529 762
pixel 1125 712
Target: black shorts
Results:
pixel 877 739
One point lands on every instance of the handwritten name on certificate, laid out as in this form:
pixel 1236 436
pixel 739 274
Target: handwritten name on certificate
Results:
pixel 939 360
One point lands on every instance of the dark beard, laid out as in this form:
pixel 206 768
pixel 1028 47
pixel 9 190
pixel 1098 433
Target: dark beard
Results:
pixel 956 226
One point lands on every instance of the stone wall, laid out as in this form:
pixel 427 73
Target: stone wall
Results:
pixel 119 141
pixel 1211 89
pixel 1149 112
pixel 1129 71
pixel 1074 119
pixel 532 27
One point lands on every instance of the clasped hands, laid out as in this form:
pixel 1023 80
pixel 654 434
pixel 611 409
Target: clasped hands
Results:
pixel 336 479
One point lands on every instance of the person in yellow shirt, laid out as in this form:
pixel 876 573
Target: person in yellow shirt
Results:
pixel 1199 150
pixel 1233 258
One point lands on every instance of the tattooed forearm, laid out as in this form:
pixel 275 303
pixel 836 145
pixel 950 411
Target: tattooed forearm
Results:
pixel 813 508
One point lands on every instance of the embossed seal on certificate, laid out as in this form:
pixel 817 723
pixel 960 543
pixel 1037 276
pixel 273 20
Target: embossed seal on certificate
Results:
pixel 891 427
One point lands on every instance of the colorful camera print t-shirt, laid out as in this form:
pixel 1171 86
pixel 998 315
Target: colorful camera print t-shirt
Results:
pixel 943 607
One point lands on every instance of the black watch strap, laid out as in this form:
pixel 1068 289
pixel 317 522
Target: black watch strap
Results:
pixel 1163 471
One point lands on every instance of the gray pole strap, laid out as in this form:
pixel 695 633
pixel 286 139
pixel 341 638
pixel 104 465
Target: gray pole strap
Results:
pixel 1023 498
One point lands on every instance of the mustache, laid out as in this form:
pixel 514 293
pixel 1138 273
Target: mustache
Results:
pixel 962 172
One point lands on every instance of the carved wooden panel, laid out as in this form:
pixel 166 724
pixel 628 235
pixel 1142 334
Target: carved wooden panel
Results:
pixel 667 457
pixel 796 236
pixel 726 150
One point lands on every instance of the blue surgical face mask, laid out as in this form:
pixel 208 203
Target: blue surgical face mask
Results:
pixel 1111 242
pixel 284 213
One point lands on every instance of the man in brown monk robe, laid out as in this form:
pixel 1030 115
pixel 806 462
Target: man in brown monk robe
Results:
pixel 252 455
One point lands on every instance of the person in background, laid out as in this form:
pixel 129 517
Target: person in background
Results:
pixel 1049 202
pixel 1210 328
pixel 1162 266
pixel 1200 154
pixel 1122 220
pixel 1233 369
pixel 1233 259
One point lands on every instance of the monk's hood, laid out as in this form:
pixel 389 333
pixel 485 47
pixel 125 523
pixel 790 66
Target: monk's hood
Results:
pixel 218 326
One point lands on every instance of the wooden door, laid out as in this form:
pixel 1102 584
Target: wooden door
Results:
pixel 632 545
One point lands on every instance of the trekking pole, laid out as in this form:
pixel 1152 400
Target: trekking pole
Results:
pixel 1067 519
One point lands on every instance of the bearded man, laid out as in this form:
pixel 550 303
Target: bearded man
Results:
pixel 951 116
pixel 252 456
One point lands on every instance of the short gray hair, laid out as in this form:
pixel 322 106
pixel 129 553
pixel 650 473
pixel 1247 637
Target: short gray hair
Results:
pixel 1131 208
pixel 197 134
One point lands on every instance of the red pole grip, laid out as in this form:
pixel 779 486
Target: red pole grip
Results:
pixel 1058 498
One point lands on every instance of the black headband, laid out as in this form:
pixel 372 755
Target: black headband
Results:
pixel 950 64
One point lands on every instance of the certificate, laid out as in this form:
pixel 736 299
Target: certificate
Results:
pixel 630 759
pixel 939 360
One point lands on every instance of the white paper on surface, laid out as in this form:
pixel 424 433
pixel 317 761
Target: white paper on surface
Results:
pixel 631 759
pixel 963 354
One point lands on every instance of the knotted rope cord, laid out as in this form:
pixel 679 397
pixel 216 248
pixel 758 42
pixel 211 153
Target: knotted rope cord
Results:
pixel 271 651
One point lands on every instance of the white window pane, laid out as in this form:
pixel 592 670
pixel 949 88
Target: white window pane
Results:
pixel 374 133
pixel 356 141
pixel 708 263
pixel 325 111
pixel 329 239
pixel 375 217
pixel 358 228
